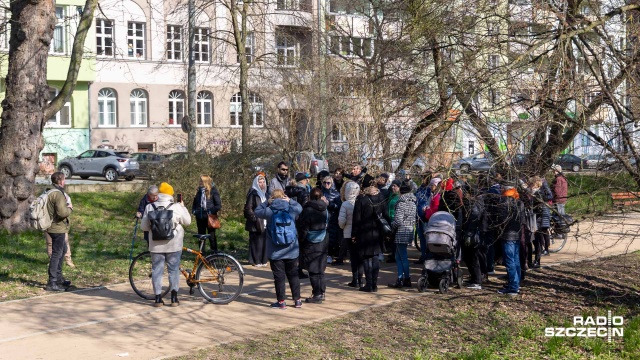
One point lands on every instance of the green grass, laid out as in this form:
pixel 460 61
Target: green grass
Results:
pixel 102 227
pixel 590 194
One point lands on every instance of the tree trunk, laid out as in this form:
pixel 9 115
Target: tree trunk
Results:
pixel 26 105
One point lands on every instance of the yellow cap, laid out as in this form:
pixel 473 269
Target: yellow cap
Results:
pixel 165 188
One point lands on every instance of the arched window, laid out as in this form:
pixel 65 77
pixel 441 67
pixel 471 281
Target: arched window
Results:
pixel 255 110
pixel 107 114
pixel 138 102
pixel 204 108
pixel 176 107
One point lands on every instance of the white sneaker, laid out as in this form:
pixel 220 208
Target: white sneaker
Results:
pixel 329 259
pixel 381 257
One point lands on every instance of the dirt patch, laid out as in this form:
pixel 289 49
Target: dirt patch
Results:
pixel 471 324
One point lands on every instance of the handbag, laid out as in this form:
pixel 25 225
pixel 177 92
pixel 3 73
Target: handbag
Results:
pixel 213 222
pixel 384 225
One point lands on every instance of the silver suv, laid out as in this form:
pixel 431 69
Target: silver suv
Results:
pixel 100 162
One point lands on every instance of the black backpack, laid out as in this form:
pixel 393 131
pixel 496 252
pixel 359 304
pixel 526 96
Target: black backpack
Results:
pixel 161 219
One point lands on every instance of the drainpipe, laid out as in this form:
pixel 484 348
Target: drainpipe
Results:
pixel 89 109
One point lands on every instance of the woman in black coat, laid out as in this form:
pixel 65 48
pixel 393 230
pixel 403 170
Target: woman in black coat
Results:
pixel 312 232
pixel 332 196
pixel 367 235
pixel 256 227
pixel 207 201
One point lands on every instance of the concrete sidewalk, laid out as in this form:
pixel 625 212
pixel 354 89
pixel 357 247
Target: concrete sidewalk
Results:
pixel 113 322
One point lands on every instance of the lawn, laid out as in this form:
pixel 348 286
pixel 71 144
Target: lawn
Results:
pixel 464 324
pixel 101 234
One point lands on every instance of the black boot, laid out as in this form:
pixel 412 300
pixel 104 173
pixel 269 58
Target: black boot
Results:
pixel 174 298
pixel 354 282
pixel 367 276
pixel 159 301
pixel 406 282
pixel 53 286
pixel 396 285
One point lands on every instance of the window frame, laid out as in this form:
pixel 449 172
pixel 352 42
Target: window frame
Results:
pixel 57 124
pixel 174 35
pixel 100 26
pixel 201 101
pixel 290 44
pixel 133 39
pixel 61 26
pixel 139 103
pixel 201 40
pixel 255 101
pixel 174 105
pixel 106 99
pixel 249 48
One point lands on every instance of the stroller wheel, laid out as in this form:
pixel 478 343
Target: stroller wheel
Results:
pixel 459 278
pixel 443 286
pixel 422 284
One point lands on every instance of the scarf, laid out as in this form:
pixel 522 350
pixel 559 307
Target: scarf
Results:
pixel 203 199
pixel 256 187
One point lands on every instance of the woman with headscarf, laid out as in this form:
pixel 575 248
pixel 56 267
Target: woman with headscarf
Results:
pixel 207 201
pixel 256 227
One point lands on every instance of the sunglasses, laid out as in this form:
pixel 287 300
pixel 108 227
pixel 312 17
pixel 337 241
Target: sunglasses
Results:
pixel 282 169
pixel 327 182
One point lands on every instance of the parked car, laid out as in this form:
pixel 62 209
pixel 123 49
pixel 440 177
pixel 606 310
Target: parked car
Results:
pixel 593 161
pixel 611 163
pixel 100 162
pixel 519 160
pixel 311 162
pixel 148 162
pixel 478 162
pixel 570 162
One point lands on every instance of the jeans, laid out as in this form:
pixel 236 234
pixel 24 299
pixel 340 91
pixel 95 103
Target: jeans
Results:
pixel 58 249
pixel 511 254
pixel 402 261
pixel 371 267
pixel 286 268
pixel 157 270
pixel 423 239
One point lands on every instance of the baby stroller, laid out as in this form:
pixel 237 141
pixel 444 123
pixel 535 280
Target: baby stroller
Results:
pixel 441 267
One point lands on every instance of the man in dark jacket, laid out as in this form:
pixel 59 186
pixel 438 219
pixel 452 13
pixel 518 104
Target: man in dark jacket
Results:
pixel 510 210
pixel 312 232
pixel 150 197
pixel 281 180
pixel 363 179
pixel 381 184
pixel 60 207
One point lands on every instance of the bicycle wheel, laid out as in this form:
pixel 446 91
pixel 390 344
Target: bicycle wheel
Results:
pixel 220 279
pixel 556 241
pixel 140 277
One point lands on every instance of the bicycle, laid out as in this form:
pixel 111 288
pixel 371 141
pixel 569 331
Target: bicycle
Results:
pixel 219 277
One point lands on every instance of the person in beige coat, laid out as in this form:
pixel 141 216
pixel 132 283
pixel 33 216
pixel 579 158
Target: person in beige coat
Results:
pixel 350 192
pixel 166 251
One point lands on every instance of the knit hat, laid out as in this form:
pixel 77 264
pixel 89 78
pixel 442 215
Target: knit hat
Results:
pixel 384 175
pixel 301 176
pixel 435 181
pixel 397 183
pixel 405 187
pixel 165 188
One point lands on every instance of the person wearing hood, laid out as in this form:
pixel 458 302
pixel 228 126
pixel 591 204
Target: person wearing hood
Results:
pixel 281 180
pixel 366 234
pixel 312 230
pixel 166 252
pixel 256 227
pixel 283 258
pixel 207 201
pixel 332 198
pixel 403 223
pixel 345 220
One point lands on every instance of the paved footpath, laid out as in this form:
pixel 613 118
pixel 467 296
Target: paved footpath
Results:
pixel 112 322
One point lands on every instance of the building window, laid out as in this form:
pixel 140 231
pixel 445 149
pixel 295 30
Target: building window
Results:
pixel 204 107
pixel 303 5
pixel 104 37
pixel 494 62
pixel 176 107
pixel 494 97
pixel 351 46
pixel 174 42
pixel 138 103
pixel 63 117
pixel 58 41
pixel 337 133
pixel 201 45
pixel 292 45
pixel 135 40
pixel 248 48
pixel 493 28
pixel 353 7
pixel 107 108
pixel 255 110
pixel 472 147
pixel 5 30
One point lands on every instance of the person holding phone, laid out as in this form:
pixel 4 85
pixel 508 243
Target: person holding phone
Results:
pixel 207 201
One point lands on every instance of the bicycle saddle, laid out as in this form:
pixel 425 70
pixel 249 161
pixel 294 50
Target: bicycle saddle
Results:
pixel 202 236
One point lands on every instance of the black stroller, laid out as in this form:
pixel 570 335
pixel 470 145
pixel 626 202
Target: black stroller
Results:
pixel 441 268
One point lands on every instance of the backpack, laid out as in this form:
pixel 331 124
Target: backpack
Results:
pixel 282 228
pixel 39 217
pixel 161 219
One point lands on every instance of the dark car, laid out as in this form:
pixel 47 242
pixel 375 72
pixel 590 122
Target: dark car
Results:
pixel 478 162
pixel 149 163
pixel 570 162
pixel 100 162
